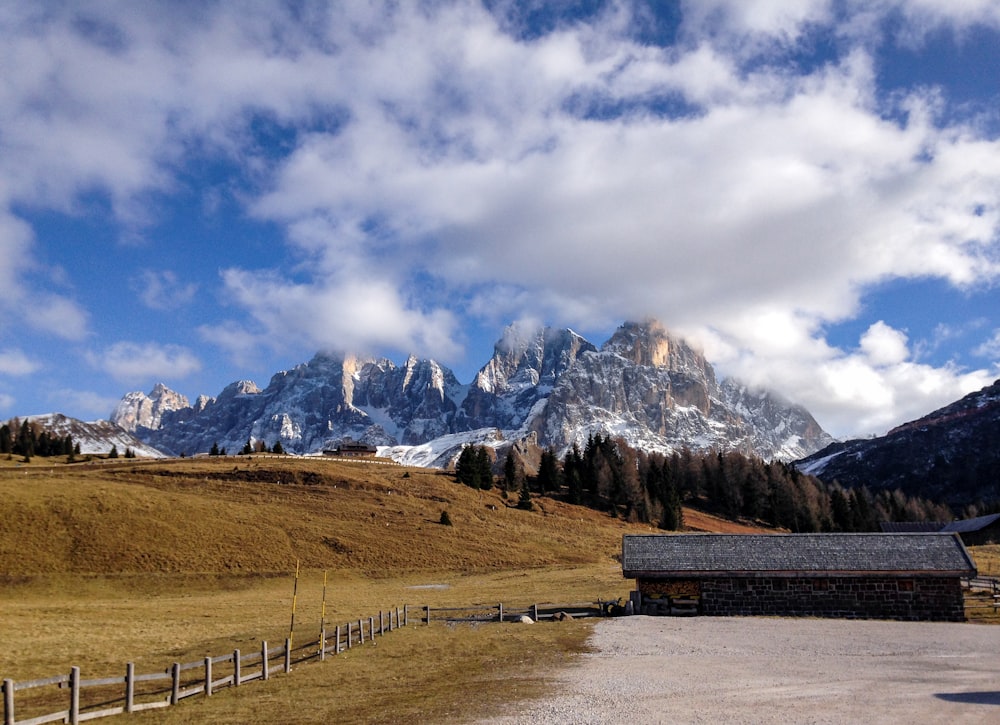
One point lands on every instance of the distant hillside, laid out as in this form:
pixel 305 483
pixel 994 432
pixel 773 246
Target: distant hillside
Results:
pixel 951 455
pixel 261 514
pixel 49 435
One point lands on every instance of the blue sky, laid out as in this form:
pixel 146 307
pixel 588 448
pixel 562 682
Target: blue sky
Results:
pixel 197 193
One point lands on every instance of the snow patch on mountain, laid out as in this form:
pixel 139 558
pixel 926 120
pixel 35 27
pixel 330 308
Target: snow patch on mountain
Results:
pixel 96 437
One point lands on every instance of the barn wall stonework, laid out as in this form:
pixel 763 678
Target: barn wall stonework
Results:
pixel 908 598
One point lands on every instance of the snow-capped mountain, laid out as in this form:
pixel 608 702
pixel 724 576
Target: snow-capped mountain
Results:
pixel 138 410
pixel 94 437
pixel 950 455
pixel 549 386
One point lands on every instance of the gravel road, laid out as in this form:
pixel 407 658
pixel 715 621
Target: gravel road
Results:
pixel 773 670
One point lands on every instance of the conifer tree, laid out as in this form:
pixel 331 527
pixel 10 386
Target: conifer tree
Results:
pixel 512 473
pixel 484 468
pixel 524 500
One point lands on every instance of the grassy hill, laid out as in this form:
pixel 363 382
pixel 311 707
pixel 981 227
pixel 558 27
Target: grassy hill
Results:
pixel 258 515
pixel 161 561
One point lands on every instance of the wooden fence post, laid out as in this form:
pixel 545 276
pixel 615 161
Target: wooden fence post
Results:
pixel 322 644
pixel 236 668
pixel 381 624
pixel 534 612
pixel 288 655
pixel 500 607
pixel 8 702
pixel 208 676
pixel 130 687
pixel 337 649
pixel 371 628
pixel 428 608
pixel 264 669
pixel 175 686
pixel 350 636
pixel 74 695
pixel 361 630
pixel 406 615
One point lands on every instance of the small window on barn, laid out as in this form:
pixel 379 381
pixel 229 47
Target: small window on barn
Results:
pixel 905 585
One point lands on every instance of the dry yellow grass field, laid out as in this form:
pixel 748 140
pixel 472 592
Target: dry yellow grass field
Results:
pixel 156 562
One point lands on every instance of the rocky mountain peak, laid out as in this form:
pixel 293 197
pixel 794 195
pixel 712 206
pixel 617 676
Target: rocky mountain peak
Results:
pixel 138 410
pixel 649 343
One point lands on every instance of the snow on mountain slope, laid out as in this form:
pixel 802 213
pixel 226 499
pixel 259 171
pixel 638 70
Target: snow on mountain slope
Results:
pixel 96 437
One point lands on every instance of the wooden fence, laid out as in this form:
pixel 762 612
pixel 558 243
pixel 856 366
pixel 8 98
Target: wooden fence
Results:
pixel 87 699
pixel 983 594
pixel 537 612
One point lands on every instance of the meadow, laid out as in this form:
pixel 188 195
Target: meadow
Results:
pixel 155 562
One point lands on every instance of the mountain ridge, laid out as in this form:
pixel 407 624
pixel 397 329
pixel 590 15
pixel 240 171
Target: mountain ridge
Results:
pixel 549 386
pixel 947 455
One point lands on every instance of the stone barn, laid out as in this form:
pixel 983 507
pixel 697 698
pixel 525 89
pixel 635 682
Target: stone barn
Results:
pixel 915 576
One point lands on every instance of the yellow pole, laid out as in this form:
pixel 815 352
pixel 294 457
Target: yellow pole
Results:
pixel 322 614
pixel 295 593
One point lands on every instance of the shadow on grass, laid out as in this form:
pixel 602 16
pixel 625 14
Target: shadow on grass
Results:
pixel 991 697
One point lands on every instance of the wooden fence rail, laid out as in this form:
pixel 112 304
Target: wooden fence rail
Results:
pixel 501 613
pixel 130 693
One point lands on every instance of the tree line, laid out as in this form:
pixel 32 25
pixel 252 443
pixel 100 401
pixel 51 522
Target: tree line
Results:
pixel 29 438
pixel 609 475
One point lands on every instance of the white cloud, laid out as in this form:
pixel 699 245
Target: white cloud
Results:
pixel 83 402
pixel 162 289
pixel 884 346
pixel 16 362
pixel 748 20
pixel 990 348
pixel 7 401
pixel 354 314
pixel 56 315
pixel 134 362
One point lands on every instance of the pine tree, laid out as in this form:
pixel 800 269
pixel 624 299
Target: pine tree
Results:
pixel 512 474
pixel 484 468
pixel 466 470
pixel 524 500
pixel 114 452
pixel 278 448
pixel 214 450
pixel 548 472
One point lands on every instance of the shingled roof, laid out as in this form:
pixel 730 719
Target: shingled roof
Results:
pixel 795 554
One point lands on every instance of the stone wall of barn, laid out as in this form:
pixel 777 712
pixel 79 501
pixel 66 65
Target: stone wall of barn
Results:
pixel 906 598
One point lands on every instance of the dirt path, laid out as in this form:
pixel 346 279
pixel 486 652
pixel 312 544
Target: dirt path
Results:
pixel 772 670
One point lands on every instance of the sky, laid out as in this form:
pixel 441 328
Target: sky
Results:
pixel 196 193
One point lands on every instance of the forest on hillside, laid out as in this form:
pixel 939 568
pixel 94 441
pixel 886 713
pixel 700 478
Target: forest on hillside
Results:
pixel 609 475
pixel 29 439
